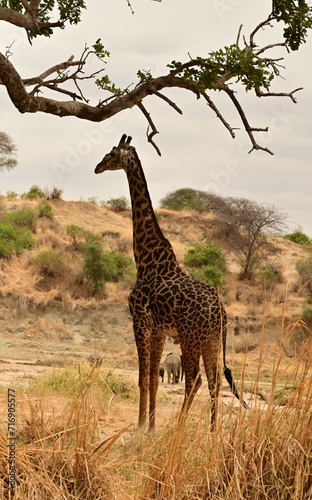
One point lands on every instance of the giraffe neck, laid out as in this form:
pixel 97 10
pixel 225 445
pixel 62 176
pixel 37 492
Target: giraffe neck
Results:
pixel 152 251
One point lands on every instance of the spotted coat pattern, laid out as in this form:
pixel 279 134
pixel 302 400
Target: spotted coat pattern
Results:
pixel 166 301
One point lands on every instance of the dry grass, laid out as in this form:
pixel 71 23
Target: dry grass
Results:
pixel 70 450
pixel 264 453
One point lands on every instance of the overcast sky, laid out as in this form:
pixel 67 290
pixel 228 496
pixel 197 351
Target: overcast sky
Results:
pixel 197 151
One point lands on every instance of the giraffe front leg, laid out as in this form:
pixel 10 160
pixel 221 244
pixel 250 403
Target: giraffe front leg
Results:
pixel 156 350
pixel 142 334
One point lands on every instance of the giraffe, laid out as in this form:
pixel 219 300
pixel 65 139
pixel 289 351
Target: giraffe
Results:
pixel 165 301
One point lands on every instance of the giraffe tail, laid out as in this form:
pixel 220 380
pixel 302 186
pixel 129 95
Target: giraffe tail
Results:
pixel 228 375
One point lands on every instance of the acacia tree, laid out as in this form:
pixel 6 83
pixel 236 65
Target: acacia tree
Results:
pixel 186 199
pixel 250 225
pixel 243 62
pixel 7 152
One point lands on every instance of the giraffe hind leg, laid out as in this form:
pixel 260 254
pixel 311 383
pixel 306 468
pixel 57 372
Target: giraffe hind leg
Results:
pixel 193 380
pixel 210 359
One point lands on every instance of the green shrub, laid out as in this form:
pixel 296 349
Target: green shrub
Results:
pixel 270 276
pixel 205 255
pixel 23 218
pixel 100 267
pixel 94 268
pixel 11 195
pixel 117 204
pixel 44 209
pixel 50 263
pixel 207 264
pixel 304 269
pixel 210 275
pixel 14 240
pixel 81 236
pixel 307 315
pixel 187 199
pixel 34 193
pixel 299 238
pixel 118 265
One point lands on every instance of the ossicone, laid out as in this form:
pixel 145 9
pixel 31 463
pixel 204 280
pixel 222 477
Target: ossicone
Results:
pixel 125 140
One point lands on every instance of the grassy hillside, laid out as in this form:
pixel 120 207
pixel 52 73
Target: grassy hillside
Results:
pixel 24 291
pixel 76 435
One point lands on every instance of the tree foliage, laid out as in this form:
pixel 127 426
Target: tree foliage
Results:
pixel 299 237
pixel 186 199
pixel 206 263
pixel 14 240
pixel 8 152
pixel 244 61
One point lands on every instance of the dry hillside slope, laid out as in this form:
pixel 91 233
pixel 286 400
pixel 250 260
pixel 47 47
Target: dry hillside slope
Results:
pixel 54 323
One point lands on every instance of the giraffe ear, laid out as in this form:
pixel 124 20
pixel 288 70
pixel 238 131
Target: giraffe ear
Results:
pixel 123 139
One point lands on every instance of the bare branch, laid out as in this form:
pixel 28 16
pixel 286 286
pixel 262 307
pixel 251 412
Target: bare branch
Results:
pixel 58 67
pixel 169 101
pixel 150 124
pixel 219 115
pixel 248 128
pixel 238 35
pixel 259 93
pixel 266 22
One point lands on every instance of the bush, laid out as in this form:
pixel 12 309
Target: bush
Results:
pixel 53 194
pixel 207 264
pixel 80 235
pixel 100 267
pixel 34 193
pixel 50 263
pixel 44 209
pixel 119 266
pixel 117 204
pixel 307 315
pixel 205 255
pixel 210 275
pixel 304 269
pixel 270 276
pixel 94 268
pixel 14 240
pixel 187 199
pixel 299 238
pixel 23 218
pixel 11 195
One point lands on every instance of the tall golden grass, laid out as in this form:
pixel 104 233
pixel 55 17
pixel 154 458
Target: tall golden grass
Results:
pixel 263 453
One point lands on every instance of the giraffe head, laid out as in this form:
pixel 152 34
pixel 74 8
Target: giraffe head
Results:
pixel 117 158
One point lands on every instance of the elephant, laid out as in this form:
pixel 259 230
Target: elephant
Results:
pixel 173 366
pixel 162 373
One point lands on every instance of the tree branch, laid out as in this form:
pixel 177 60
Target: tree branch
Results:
pixel 196 75
pixel 248 128
pixel 26 20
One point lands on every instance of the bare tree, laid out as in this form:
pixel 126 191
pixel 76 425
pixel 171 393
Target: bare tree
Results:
pixel 250 226
pixel 8 152
pixel 244 62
